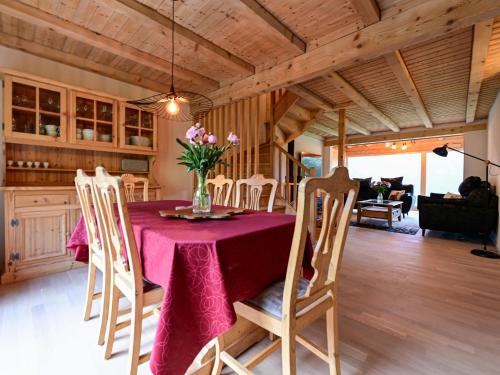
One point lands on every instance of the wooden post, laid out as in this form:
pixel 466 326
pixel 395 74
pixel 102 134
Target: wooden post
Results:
pixel 423 172
pixel 342 138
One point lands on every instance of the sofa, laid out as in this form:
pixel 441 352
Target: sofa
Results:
pixel 367 192
pixel 476 212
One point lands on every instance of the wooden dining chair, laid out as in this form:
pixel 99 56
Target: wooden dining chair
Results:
pixel 98 257
pixel 255 186
pixel 130 181
pixel 125 265
pixel 287 307
pixel 222 188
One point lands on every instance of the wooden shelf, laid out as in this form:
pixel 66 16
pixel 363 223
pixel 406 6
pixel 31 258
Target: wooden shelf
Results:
pixel 85 119
pixel 21 108
pixel 68 170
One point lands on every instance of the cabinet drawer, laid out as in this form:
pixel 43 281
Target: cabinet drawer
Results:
pixel 41 200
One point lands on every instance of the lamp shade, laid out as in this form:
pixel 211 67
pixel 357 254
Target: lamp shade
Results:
pixel 441 151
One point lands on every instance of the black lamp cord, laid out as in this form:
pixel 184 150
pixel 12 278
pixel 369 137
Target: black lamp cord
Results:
pixel 173 31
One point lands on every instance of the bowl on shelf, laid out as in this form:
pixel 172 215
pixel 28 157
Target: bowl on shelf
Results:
pixel 137 140
pixel 51 130
pixel 45 164
pixel 20 163
pixel 10 163
pixel 88 134
pixel 105 137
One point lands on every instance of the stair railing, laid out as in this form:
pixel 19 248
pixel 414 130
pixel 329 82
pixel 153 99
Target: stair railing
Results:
pixel 289 171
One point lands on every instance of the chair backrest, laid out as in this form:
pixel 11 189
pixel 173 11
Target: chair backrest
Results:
pixel 222 188
pixel 339 196
pixel 83 184
pixel 117 228
pixel 255 186
pixel 129 182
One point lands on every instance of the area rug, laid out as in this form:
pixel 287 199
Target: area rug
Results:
pixel 403 227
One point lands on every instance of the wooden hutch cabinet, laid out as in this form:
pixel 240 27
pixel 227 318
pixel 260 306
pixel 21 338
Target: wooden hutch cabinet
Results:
pixel 50 130
pixel 138 129
pixel 34 111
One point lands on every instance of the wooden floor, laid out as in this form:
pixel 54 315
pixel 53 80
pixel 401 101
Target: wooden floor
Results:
pixel 408 305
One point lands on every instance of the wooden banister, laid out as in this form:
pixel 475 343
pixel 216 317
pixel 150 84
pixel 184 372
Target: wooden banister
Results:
pixel 288 175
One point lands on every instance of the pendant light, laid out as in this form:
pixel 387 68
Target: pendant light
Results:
pixel 176 105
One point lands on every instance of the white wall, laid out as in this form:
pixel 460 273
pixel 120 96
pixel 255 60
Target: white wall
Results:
pixel 475 143
pixel 494 150
pixel 308 144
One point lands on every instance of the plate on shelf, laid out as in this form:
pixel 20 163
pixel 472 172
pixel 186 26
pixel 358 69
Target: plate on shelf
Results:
pixel 187 213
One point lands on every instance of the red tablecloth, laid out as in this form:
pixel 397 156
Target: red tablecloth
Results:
pixel 204 267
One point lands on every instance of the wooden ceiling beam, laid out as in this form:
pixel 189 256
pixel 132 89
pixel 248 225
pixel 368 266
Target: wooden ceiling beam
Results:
pixel 349 123
pixel 368 10
pixel 284 104
pixel 40 18
pixel 312 97
pixel 416 24
pixel 276 24
pixel 436 131
pixel 482 36
pixel 400 70
pixel 40 50
pixel 348 90
pixel 137 10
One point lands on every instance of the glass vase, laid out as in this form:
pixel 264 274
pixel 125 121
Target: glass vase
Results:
pixel 202 203
pixel 380 198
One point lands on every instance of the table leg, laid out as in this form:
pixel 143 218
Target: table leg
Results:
pixel 359 212
pixel 389 218
pixel 400 211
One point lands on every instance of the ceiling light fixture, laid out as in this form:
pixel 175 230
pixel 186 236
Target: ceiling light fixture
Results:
pixel 394 146
pixel 176 105
pixel 404 146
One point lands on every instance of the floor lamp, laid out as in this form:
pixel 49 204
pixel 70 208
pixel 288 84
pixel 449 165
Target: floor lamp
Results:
pixel 443 151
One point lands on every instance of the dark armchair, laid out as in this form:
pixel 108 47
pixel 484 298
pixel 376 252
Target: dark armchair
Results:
pixel 475 214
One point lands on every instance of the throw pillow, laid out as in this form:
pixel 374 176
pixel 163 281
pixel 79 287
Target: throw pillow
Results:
pixel 452 196
pixel 479 197
pixel 396 182
pixel 364 183
pixel 396 195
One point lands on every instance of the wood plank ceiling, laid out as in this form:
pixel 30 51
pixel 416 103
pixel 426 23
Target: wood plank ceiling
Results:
pixel 224 44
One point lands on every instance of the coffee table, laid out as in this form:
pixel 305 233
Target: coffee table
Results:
pixel 386 210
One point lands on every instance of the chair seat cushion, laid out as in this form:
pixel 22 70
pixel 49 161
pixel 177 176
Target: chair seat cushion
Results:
pixel 271 299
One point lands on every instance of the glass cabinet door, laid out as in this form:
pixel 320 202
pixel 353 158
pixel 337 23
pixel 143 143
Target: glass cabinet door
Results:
pixel 137 128
pixel 34 110
pixel 94 120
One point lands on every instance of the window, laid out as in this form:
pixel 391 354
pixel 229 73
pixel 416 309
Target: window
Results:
pixel 406 165
pixel 444 174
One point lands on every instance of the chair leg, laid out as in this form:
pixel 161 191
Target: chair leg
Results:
pixel 332 333
pixel 90 290
pixel 288 348
pixel 106 286
pixel 135 335
pixel 112 319
pixel 219 348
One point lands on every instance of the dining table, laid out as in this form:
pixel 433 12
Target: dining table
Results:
pixel 204 266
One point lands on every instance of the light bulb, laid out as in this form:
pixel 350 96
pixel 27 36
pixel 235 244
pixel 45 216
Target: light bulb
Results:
pixel 172 107
pixel 404 146
pixel 393 146
pixel 387 144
